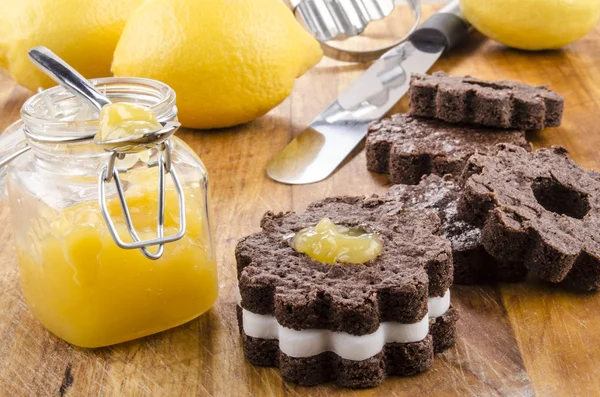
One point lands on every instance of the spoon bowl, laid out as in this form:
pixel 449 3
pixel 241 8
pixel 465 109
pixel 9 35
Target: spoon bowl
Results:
pixel 138 143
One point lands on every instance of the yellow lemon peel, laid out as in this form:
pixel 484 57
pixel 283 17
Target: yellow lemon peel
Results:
pixel 229 62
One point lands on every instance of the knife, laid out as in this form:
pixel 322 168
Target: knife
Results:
pixel 318 150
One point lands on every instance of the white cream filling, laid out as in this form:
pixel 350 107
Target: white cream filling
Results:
pixel 310 342
pixel 438 306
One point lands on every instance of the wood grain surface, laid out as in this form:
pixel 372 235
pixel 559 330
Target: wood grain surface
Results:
pixel 514 340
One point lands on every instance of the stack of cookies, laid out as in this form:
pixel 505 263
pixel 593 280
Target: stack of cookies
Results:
pixel 452 118
pixel 471 204
pixel 507 212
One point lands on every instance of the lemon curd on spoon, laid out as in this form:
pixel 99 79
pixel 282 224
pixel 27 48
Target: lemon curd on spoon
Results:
pixel 125 120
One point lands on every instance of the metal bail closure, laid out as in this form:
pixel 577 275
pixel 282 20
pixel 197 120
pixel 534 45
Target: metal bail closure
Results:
pixel 119 149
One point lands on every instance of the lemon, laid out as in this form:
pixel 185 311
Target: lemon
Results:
pixel 532 24
pixel 83 32
pixel 229 62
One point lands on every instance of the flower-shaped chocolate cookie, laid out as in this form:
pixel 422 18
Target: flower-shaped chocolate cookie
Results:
pixel 408 147
pixel 540 208
pixel 472 264
pixel 498 104
pixel 350 323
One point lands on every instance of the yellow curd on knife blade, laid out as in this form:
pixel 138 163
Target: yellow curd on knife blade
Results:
pixel 91 293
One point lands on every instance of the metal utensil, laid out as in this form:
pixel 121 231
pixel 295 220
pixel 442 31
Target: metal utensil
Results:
pixel 61 72
pixel 141 142
pixel 317 151
pixel 72 81
pixel 331 21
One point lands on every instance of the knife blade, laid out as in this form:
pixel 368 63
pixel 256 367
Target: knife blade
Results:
pixel 318 150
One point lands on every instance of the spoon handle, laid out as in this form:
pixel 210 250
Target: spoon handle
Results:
pixel 66 76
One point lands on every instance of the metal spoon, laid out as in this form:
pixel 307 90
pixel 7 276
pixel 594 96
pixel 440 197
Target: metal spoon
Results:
pixel 64 74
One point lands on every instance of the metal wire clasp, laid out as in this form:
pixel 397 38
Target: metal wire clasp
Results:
pixel 110 172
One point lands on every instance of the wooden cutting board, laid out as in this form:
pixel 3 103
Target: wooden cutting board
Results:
pixel 514 340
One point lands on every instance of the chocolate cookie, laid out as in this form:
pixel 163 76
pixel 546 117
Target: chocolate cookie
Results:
pixel 352 324
pixel 472 264
pixel 407 147
pixel 499 104
pixel 540 208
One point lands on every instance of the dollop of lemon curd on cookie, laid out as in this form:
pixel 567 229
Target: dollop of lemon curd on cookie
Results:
pixel 330 243
pixel 120 120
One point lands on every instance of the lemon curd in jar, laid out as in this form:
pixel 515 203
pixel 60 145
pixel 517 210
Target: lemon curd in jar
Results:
pixel 330 243
pixel 76 280
pixel 91 293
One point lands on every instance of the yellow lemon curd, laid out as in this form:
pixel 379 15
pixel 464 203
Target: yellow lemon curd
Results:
pixel 91 293
pixel 120 120
pixel 330 243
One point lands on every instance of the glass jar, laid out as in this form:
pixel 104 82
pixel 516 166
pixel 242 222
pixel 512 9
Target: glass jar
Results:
pixel 76 280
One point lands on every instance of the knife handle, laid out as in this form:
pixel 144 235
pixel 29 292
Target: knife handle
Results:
pixel 446 27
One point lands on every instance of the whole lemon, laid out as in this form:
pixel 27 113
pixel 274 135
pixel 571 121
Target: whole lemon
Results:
pixel 83 32
pixel 229 61
pixel 532 24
